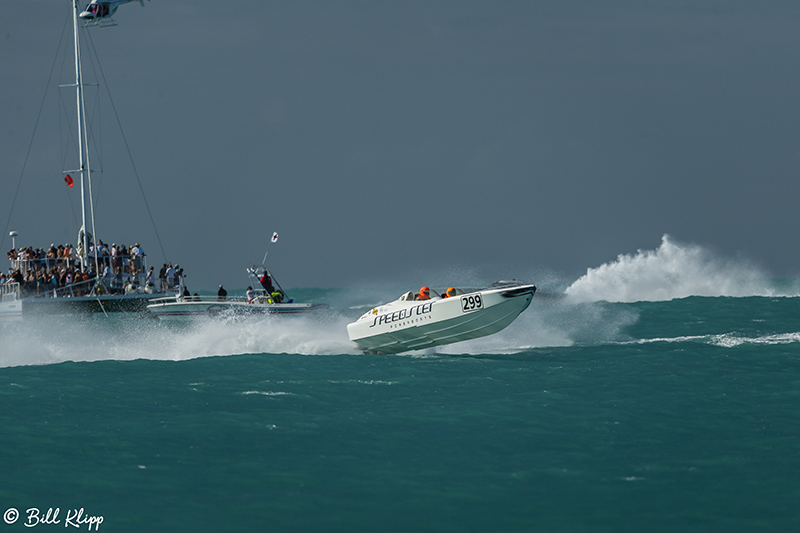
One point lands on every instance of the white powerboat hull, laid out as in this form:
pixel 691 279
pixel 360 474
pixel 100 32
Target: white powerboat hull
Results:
pixel 187 308
pixel 407 324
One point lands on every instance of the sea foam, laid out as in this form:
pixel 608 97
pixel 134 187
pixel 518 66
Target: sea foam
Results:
pixel 53 340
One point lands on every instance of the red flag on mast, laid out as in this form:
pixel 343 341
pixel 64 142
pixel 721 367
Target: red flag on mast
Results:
pixel 68 179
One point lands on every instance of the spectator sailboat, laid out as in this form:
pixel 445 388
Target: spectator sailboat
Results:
pixel 90 280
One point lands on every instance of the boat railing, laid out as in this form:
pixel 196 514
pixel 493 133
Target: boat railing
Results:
pixel 46 263
pixel 261 297
pixel 104 286
pixel 200 299
pixel 90 287
pixel 9 292
pixel 25 266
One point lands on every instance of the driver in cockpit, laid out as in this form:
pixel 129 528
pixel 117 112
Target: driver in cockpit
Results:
pixel 424 294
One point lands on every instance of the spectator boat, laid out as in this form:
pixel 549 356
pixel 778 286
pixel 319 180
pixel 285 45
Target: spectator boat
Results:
pixel 103 292
pixel 269 299
pixel 410 323
pixel 83 298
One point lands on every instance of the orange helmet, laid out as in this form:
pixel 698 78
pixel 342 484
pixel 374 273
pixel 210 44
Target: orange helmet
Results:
pixel 451 291
pixel 424 293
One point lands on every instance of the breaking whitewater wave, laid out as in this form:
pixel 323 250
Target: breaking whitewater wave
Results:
pixel 671 271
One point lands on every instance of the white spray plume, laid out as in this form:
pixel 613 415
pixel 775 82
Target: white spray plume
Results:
pixel 671 271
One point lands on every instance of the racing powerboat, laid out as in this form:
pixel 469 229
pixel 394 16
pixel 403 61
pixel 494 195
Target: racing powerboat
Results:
pixel 411 323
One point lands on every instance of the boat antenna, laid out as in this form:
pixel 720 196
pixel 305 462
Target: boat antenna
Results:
pixel 272 240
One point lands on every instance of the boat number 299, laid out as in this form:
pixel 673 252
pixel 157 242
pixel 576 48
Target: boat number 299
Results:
pixel 472 302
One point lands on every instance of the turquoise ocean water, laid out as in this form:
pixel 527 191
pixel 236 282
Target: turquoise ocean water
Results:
pixel 681 414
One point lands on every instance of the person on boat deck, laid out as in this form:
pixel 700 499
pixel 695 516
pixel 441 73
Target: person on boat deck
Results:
pixel 162 276
pixel 266 282
pixel 449 293
pixel 149 280
pixel 170 274
pixel 222 294
pixel 176 277
pixel 116 258
pixel 424 294
pixel 250 294
pixel 137 253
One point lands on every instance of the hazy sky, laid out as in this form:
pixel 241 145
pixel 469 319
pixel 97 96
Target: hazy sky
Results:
pixel 408 140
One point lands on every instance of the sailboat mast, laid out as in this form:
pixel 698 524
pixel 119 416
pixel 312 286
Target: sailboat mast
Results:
pixel 82 156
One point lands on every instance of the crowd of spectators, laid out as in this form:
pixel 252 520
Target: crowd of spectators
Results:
pixel 59 270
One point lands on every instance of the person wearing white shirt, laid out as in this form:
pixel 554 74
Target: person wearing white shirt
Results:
pixel 170 276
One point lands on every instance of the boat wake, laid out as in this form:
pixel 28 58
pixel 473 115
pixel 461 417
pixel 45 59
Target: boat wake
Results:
pixel 53 340
pixel 727 340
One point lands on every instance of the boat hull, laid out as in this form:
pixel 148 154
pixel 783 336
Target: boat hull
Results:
pixel 14 306
pixel 10 309
pixel 413 325
pixel 181 309
pixel 86 305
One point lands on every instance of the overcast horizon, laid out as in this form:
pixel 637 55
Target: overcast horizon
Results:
pixel 403 141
